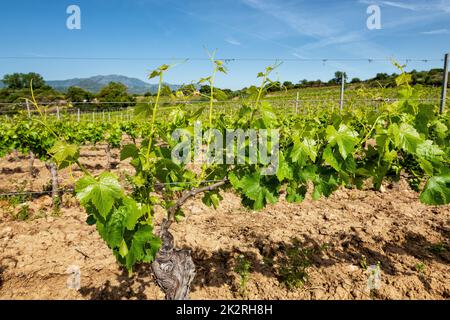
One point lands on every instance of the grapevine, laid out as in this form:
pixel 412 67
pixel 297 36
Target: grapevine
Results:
pixel 317 153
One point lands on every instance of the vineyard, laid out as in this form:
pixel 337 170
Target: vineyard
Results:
pixel 359 188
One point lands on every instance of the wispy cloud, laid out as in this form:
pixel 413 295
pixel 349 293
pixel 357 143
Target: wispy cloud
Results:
pixel 442 6
pixel 322 30
pixel 334 40
pixel 234 28
pixel 401 5
pixel 299 56
pixel 438 31
pixel 233 41
pixel 299 21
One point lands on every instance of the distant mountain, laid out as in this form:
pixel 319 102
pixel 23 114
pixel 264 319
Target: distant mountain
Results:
pixel 2 85
pixel 96 83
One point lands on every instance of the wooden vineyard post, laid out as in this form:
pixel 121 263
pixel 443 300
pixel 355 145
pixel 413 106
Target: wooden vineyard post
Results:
pixel 28 109
pixel 78 115
pixel 31 164
pixel 296 103
pixel 341 101
pixel 444 85
pixel 108 157
pixel 57 113
pixel 51 166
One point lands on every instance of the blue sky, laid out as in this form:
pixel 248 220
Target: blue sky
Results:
pixel 237 28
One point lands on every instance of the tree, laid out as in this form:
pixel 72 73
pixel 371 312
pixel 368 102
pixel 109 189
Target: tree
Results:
pixel 13 81
pixel 219 95
pixel 273 86
pixel 188 90
pixel 38 80
pixel 77 94
pixel 205 89
pixel 17 81
pixel 288 85
pixel 381 76
pixel 356 80
pixel 338 77
pixel 117 95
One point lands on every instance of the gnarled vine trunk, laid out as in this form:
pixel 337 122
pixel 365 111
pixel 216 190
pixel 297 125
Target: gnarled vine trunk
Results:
pixel 51 166
pixel 173 268
pixel 31 165
pixel 15 155
pixel 108 157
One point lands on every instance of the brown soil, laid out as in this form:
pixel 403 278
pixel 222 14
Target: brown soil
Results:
pixel 328 242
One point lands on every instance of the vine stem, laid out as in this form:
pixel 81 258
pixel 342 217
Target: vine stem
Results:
pixel 211 105
pixel 371 130
pixel 186 196
pixel 155 106
pixel 36 105
pixel 85 171
pixel 258 98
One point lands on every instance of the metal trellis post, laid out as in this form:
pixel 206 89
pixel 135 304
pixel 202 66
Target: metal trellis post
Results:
pixel 341 104
pixel 444 84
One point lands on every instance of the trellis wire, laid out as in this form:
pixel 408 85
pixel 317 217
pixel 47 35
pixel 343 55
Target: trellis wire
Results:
pixel 71 190
pixel 189 103
pixel 226 59
pixel 175 105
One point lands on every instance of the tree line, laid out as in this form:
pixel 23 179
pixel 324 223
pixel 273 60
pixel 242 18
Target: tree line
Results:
pixel 115 94
pixel 18 87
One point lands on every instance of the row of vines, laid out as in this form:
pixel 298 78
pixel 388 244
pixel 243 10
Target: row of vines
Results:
pixel 318 152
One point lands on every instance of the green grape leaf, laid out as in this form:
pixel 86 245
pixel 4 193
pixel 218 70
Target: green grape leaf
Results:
pixel 429 151
pixel 144 246
pixel 426 166
pixel 403 79
pixel 304 149
pixel 123 249
pixel 129 151
pixel 64 154
pixel 143 110
pixel 437 190
pixel 179 215
pixel 134 211
pixel 425 115
pixel 284 171
pixel 296 193
pixel 330 158
pixel 212 199
pixel 268 116
pixel 345 138
pixel 324 186
pixel 250 185
pixel 441 129
pixel 114 227
pixel 101 191
pixel 405 137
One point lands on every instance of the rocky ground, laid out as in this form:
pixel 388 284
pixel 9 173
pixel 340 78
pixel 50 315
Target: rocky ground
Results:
pixel 311 250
